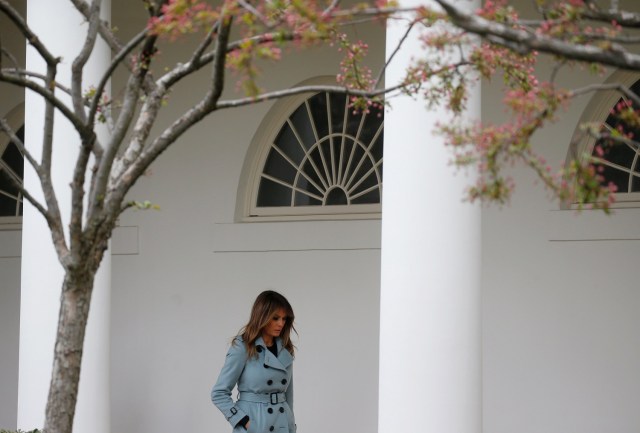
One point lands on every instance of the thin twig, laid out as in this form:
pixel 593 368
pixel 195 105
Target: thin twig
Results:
pixel 47 96
pixel 254 11
pixel 25 73
pixel 4 126
pixel 26 194
pixel 26 31
pixel 124 52
pixel 111 40
pixel 624 90
pixel 331 7
pixel 10 56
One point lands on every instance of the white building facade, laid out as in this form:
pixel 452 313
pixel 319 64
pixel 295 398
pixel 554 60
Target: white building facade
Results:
pixel 423 312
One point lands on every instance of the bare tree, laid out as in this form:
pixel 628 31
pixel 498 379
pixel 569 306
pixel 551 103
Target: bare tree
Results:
pixel 105 171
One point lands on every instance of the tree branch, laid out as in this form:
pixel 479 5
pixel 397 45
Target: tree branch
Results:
pixel 135 83
pixel 87 142
pixel 124 52
pixel 11 57
pixel 121 126
pixel 279 94
pixel 55 219
pixel 208 104
pixel 4 126
pixel 47 95
pixel 624 90
pixel 523 42
pixel 110 39
pixel 24 73
pixel 624 18
pixel 80 61
pixel 26 31
pixel 219 60
pixel 18 185
pixel 395 51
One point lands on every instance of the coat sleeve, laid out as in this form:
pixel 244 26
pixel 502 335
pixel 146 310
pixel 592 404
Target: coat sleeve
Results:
pixel 227 380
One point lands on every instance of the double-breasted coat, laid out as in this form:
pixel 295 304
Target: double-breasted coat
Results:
pixel 265 388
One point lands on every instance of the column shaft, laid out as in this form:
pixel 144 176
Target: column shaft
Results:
pixel 63 30
pixel 430 325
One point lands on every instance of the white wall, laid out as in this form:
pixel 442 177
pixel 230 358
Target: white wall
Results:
pixel 10 97
pixel 179 301
pixel 561 302
pixel 9 333
pixel 10 94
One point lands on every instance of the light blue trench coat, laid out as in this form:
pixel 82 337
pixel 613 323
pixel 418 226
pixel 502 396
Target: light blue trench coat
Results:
pixel 265 388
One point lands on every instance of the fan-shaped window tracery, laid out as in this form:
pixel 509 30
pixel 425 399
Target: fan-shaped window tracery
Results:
pixel 325 154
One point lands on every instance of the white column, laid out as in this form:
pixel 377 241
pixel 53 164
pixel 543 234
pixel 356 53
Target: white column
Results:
pixel 430 325
pixel 62 29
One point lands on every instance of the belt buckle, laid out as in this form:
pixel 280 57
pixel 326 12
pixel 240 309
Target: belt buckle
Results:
pixel 272 395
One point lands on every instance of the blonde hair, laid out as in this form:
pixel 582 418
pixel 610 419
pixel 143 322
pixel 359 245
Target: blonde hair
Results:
pixel 263 310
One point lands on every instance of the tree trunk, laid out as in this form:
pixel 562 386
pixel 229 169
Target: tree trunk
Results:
pixel 74 312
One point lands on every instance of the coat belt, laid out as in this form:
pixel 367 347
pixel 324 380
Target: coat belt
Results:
pixel 270 397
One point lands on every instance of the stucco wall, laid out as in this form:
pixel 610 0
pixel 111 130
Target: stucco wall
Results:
pixel 560 303
pixel 179 301
pixel 10 97
pixel 9 335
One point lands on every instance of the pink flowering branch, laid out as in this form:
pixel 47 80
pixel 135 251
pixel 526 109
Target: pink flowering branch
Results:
pixel 523 41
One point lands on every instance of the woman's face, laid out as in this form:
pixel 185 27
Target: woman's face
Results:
pixel 275 325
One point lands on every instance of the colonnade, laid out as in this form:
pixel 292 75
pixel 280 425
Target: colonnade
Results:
pixel 430 359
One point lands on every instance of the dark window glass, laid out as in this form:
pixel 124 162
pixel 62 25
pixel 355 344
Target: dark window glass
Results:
pixel 273 194
pixel 7 206
pixel 635 184
pixel 318 106
pixel 337 112
pixel 305 200
pixel 278 167
pixel 337 196
pixel 288 143
pixel 10 197
pixel 324 155
pixel 306 185
pixel 300 118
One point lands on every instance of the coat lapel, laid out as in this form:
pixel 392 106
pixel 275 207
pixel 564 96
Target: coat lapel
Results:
pixel 281 362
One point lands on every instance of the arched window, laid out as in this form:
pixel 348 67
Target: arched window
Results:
pixel 620 161
pixel 316 156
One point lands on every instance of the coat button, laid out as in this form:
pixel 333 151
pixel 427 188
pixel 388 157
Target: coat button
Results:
pixel 284 381
pixel 270 410
pixel 271 428
pixel 281 409
pixel 269 382
pixel 259 349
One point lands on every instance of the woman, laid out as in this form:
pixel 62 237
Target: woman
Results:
pixel 260 362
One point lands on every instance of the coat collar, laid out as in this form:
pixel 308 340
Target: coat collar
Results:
pixel 282 361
